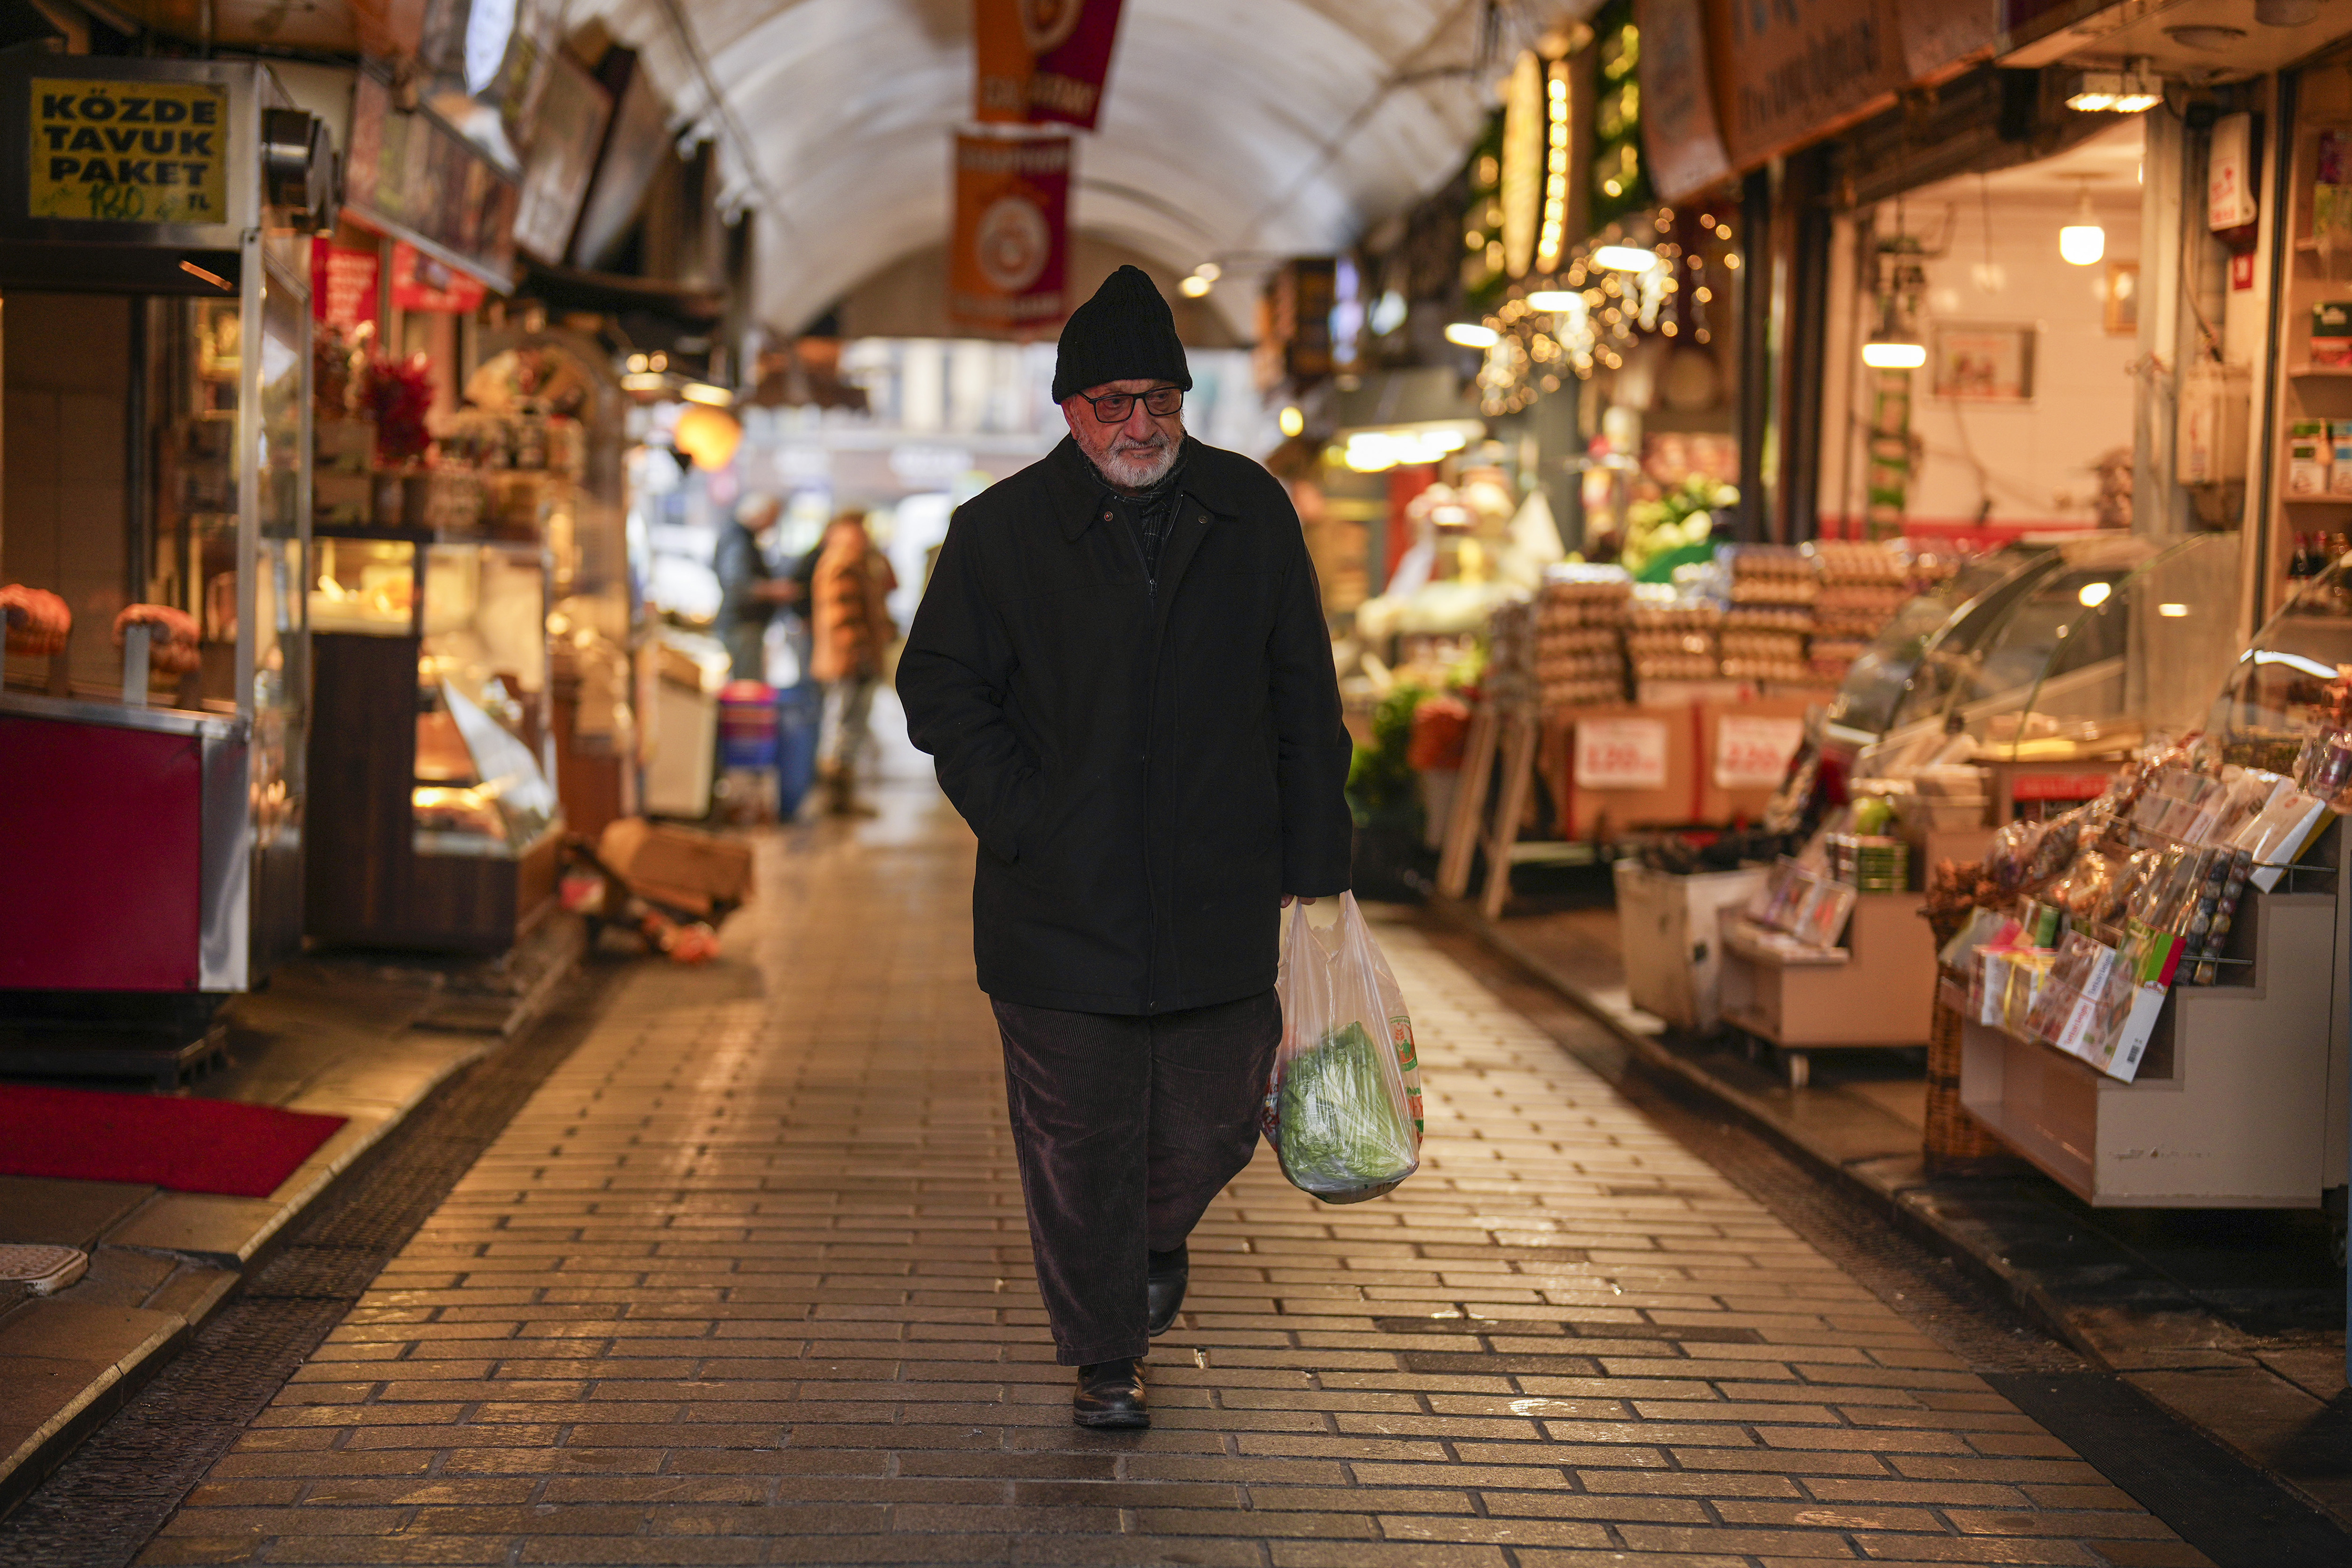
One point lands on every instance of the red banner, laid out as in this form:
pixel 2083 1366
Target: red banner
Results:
pixel 1006 271
pixel 1042 61
pixel 343 285
pixel 430 287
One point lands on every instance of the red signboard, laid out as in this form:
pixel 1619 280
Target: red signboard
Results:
pixel 428 287
pixel 1043 61
pixel 2059 786
pixel 1007 269
pixel 343 285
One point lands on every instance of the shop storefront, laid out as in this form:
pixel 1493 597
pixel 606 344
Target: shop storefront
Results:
pixel 2026 357
pixel 156 707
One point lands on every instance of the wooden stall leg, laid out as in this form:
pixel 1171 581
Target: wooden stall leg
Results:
pixel 1462 822
pixel 1519 777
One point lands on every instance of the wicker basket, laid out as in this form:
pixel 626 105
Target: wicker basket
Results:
pixel 1956 1142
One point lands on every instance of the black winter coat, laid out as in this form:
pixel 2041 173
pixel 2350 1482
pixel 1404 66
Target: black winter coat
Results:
pixel 1147 771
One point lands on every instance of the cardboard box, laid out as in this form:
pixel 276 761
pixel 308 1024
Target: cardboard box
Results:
pixel 1735 745
pixel 676 864
pixel 1626 766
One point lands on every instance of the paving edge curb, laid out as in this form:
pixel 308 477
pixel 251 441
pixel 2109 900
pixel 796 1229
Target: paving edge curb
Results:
pixel 1920 1223
pixel 23 1470
pixel 51 1441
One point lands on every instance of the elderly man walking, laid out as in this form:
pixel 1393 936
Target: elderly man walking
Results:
pixel 1121 671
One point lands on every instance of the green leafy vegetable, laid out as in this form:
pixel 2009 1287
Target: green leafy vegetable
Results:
pixel 1341 1126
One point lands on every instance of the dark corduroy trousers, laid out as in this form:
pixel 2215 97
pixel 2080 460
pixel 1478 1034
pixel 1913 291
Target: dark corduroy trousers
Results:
pixel 1126 1128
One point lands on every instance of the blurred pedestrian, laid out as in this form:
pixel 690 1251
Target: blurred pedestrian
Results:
pixel 750 592
pixel 851 630
pixel 1121 671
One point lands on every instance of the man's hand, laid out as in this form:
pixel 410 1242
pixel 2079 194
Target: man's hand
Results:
pixel 777 591
pixel 1287 897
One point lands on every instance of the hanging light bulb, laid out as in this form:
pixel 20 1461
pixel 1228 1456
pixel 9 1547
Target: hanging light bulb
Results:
pixel 1894 352
pixel 1892 345
pixel 2082 242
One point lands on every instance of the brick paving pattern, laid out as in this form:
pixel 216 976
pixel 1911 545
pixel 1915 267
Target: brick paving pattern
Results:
pixel 748 1282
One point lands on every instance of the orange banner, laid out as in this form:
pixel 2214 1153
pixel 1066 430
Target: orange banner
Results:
pixel 1010 257
pixel 1042 61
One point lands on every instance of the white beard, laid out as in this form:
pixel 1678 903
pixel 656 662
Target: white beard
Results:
pixel 1139 468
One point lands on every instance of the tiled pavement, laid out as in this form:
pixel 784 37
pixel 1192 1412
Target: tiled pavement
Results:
pixel 748 1282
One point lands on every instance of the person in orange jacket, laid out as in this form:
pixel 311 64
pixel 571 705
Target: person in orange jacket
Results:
pixel 851 630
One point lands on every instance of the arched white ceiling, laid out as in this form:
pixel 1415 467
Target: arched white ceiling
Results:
pixel 1232 130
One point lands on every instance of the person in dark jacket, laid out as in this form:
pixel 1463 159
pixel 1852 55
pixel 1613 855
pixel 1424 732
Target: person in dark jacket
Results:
pixel 750 591
pixel 1121 673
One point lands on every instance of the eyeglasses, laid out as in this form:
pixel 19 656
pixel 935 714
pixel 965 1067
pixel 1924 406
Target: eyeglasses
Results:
pixel 1113 408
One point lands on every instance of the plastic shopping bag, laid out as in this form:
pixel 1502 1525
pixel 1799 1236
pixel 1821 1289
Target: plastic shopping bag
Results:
pixel 1343 1109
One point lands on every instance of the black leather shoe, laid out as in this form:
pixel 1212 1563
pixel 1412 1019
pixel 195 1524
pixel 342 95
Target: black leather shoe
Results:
pixel 1110 1394
pixel 1164 1287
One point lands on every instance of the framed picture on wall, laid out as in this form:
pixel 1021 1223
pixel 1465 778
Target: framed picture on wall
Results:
pixel 2122 297
pixel 1983 362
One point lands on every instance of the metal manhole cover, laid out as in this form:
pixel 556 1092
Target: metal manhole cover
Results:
pixel 44 1269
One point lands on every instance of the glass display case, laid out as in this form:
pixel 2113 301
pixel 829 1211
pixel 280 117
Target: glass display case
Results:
pixel 154 710
pixel 552 433
pixel 2067 654
pixel 455 813
pixel 2294 681
pixel 1906 674
pixel 2121 640
pixel 364 587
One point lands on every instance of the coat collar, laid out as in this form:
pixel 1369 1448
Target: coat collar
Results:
pixel 1078 493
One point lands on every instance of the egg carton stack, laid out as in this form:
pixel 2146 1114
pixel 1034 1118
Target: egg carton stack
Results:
pixel 1773 590
pixel 1862 585
pixel 1510 677
pixel 1579 660
pixel 1673 640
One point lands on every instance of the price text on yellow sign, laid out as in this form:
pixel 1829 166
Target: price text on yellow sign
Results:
pixel 128 151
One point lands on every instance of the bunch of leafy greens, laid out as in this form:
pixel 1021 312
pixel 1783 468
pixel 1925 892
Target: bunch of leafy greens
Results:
pixel 1341 1126
pixel 1380 780
pixel 1676 529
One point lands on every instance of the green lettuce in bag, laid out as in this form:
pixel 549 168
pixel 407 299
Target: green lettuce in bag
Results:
pixel 1343 1109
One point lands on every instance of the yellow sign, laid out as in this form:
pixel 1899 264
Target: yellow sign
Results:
pixel 129 151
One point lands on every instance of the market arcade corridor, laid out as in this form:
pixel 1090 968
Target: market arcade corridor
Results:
pixel 747 1281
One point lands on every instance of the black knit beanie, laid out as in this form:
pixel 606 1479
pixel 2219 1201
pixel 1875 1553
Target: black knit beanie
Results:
pixel 1126 333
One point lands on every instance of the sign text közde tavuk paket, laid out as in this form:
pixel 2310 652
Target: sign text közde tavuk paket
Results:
pixel 128 151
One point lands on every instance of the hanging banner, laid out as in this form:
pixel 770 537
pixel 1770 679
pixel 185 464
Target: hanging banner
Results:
pixel 1042 61
pixel 343 285
pixel 1687 151
pixel 1010 256
pixel 1791 74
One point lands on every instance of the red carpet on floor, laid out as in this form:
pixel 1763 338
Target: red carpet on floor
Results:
pixel 187 1145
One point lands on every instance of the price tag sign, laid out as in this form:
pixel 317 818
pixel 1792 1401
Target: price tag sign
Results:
pixel 128 151
pixel 1753 753
pixel 1621 754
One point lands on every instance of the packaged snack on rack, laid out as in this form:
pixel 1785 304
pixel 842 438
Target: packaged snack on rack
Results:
pixel 1822 919
pixel 1803 904
pixel 2011 857
pixel 2287 826
pixel 2225 908
pixel 2069 1009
